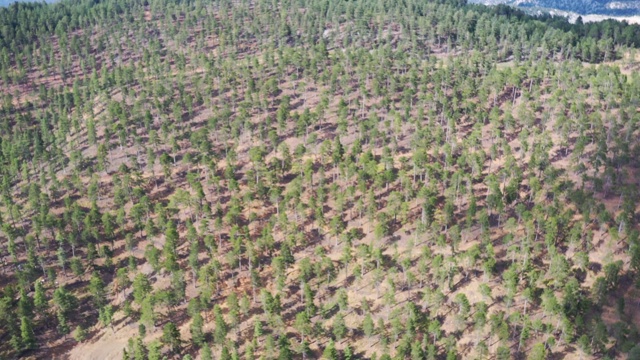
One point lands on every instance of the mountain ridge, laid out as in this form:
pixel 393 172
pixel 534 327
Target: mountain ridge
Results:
pixel 583 7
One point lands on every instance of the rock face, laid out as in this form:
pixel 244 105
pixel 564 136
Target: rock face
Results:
pixel 583 7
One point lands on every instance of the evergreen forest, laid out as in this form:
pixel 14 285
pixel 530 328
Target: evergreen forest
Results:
pixel 317 179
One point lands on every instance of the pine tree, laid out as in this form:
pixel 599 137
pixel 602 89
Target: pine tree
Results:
pixel 106 315
pixel 65 302
pixel 303 325
pixel 139 350
pixel 155 350
pixel 285 350
pixel 141 288
pixel 171 337
pixel 348 353
pixel 205 353
pixel 40 300
pixel 197 334
pixel 170 246
pixel 339 327
pixel 368 327
pixel 220 330
pixel 330 352
pixel 147 312
pixel 28 339
pixel 224 353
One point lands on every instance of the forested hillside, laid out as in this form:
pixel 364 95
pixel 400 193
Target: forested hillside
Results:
pixel 366 179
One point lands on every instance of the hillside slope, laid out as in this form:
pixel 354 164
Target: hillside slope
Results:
pixel 316 179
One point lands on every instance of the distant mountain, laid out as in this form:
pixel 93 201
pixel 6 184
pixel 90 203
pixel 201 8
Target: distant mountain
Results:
pixel 583 7
pixel 4 3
